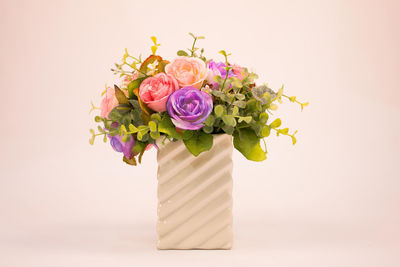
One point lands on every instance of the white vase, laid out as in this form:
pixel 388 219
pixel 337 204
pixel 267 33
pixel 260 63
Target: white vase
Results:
pixel 195 196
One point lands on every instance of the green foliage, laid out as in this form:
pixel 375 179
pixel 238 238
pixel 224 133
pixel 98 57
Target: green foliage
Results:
pixel 193 51
pixel 240 108
pixel 248 143
pixel 199 142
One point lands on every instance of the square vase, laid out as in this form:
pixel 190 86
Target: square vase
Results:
pixel 195 196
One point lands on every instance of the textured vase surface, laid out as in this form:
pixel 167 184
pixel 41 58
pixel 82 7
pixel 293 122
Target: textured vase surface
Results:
pixel 195 196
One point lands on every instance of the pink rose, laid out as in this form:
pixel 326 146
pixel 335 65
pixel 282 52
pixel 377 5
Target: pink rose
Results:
pixel 109 102
pixel 238 71
pixel 154 91
pixel 188 71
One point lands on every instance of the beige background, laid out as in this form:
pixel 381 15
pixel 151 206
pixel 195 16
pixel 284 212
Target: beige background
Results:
pixel 332 200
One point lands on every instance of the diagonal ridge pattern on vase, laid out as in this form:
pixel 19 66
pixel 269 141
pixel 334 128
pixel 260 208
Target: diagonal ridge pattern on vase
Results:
pixel 195 196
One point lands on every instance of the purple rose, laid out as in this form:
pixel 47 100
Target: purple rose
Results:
pixel 217 69
pixel 189 108
pixel 121 146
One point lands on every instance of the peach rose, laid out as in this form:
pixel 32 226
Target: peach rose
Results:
pixel 154 91
pixel 109 102
pixel 188 71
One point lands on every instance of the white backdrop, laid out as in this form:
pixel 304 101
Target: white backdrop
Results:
pixel 331 200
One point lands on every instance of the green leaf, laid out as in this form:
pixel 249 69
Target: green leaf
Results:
pixel 273 106
pixel 263 117
pixel 284 131
pixel 155 135
pixel 208 129
pixel 98 119
pixel 133 85
pixel 182 53
pixel 113 132
pixel 237 83
pixel 266 131
pixel 122 130
pixel 135 104
pixel 140 146
pixel 294 140
pixel 246 119
pixel 276 123
pixel 91 140
pixel 219 110
pixel 248 143
pixel 239 103
pixel 210 120
pixel 121 97
pixel 235 110
pixel 139 136
pixel 240 96
pixel 126 138
pixel 155 116
pixel 253 106
pixel 166 126
pixel 133 129
pixel 229 120
pixel 131 161
pixel 223 53
pixel 152 126
pixel 101 130
pixel 252 76
pixel 115 115
pixel 228 129
pixel 199 142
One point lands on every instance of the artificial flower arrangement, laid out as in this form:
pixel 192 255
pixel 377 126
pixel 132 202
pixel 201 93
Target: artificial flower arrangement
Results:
pixel 188 98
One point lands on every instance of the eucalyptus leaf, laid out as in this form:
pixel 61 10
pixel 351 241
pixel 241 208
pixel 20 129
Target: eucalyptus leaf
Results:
pixel 182 53
pixel 210 120
pixel 239 103
pixel 266 131
pixel 152 126
pixel 155 116
pixel 219 110
pixel 208 129
pixel 133 129
pixel 229 120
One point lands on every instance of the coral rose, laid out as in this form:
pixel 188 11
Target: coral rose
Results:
pixel 108 103
pixel 154 91
pixel 188 71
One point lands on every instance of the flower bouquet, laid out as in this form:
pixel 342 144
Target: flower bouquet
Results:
pixel 192 109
